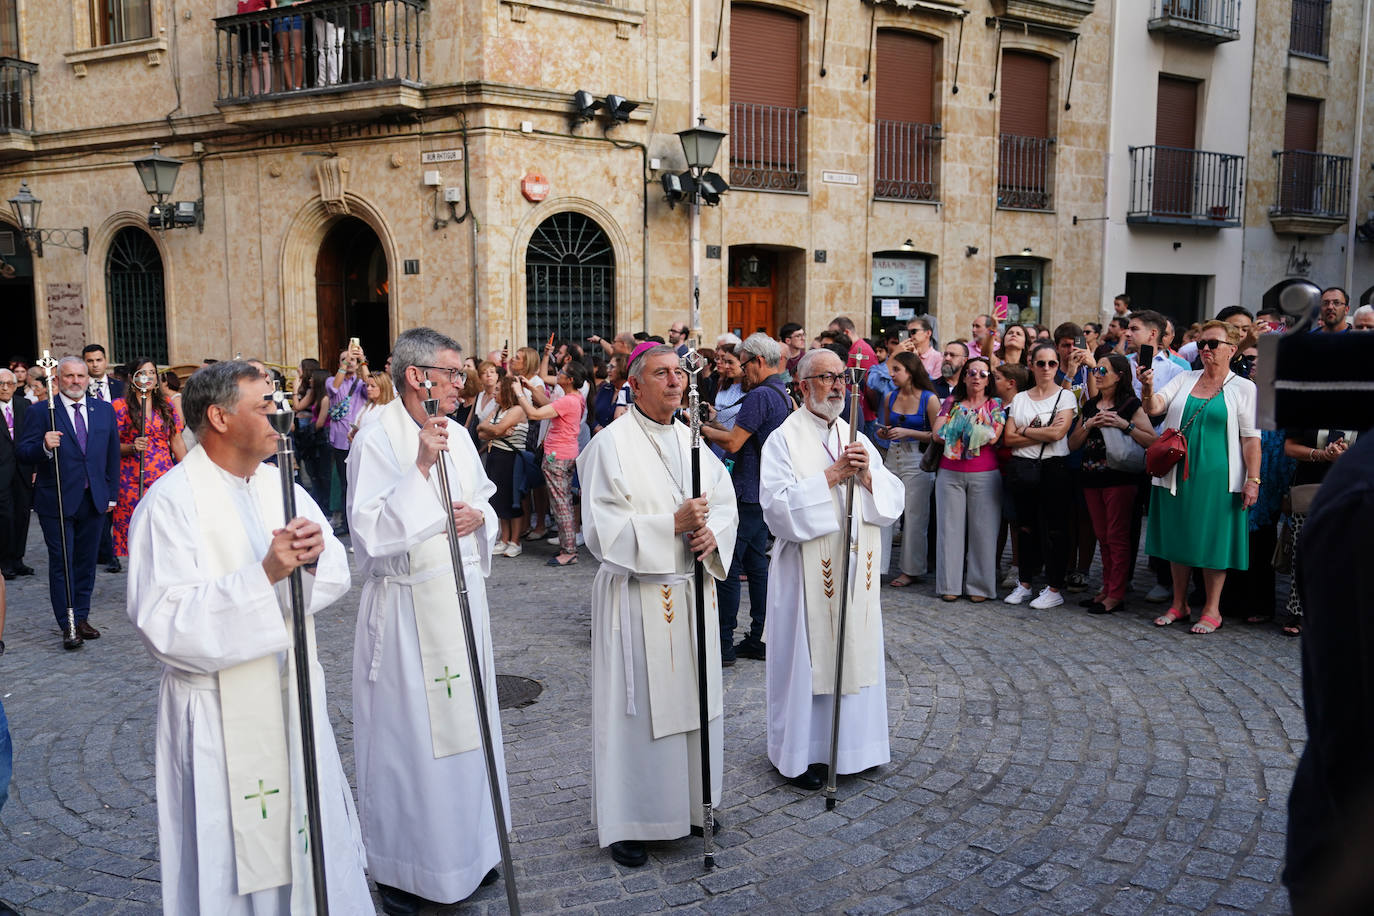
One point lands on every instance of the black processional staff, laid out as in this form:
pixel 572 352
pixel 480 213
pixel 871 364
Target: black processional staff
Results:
pixel 474 664
pixel 855 376
pixel 49 366
pixel 281 419
pixel 692 363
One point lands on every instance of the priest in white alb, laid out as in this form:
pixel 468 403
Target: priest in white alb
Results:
pixel 210 553
pixel 423 794
pixel 643 524
pixel 805 465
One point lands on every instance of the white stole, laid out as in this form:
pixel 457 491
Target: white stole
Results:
pixel 667 609
pixel 449 693
pixel 820 558
pixel 262 804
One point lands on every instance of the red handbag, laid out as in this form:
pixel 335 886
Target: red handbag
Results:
pixel 1171 447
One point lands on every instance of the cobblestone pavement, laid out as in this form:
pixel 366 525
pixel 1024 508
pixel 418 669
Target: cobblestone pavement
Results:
pixel 1042 762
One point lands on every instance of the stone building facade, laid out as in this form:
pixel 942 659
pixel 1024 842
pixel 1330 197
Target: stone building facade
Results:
pixel 351 169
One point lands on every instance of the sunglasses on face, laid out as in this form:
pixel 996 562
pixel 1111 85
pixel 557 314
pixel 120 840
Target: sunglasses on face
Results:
pixel 1098 371
pixel 1211 343
pixel 1046 363
pixel 978 373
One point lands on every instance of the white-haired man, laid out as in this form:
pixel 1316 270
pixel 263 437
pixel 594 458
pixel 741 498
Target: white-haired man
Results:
pixel 805 464
pixel 646 528
pixel 423 792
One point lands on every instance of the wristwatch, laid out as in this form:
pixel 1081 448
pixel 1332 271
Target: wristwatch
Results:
pixel 1255 480
pixel 1130 427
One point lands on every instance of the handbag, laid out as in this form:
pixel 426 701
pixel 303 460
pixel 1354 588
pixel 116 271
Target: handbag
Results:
pixel 1171 447
pixel 930 458
pixel 1024 472
pixel 1123 452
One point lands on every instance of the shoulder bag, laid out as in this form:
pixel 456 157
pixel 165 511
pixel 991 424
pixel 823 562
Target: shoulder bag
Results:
pixel 1123 453
pixel 930 458
pixel 1172 445
pixel 1024 472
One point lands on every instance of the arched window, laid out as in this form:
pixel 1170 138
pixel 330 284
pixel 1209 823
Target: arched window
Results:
pixel 569 280
pixel 133 288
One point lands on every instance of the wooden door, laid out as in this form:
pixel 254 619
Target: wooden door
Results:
pixel 330 314
pixel 749 310
pixel 1175 141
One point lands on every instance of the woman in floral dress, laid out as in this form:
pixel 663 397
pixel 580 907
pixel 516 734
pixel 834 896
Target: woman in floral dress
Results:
pixel 162 446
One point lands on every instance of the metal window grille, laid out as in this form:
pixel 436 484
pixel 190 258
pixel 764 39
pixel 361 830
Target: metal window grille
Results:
pixel 337 45
pixel 569 280
pixel 1221 14
pixel 133 289
pixel 1169 184
pixel 1312 184
pixel 1024 166
pixel 905 160
pixel 1311 21
pixel 16 95
pixel 765 147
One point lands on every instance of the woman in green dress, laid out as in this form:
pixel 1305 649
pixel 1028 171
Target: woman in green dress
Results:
pixel 1198 509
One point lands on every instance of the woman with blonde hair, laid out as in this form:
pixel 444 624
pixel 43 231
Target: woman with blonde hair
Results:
pixel 1198 509
pixel 380 392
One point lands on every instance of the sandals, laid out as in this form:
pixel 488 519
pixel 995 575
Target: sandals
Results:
pixel 1173 614
pixel 1291 630
pixel 949 597
pixel 554 561
pixel 1206 624
pixel 901 581
pixel 978 599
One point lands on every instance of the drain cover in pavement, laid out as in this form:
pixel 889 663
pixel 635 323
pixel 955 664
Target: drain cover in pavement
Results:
pixel 514 692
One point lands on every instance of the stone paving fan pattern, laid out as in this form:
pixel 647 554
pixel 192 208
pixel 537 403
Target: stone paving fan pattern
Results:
pixel 1043 762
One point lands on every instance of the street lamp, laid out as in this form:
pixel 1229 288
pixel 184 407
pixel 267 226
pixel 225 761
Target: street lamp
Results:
pixel 696 186
pixel 26 208
pixel 700 145
pixel 159 176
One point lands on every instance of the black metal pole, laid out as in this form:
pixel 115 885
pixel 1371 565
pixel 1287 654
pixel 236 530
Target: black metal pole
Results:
pixel 49 364
pixel 282 419
pixel 692 363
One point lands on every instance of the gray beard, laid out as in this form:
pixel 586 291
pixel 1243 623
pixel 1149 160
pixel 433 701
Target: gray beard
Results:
pixel 826 409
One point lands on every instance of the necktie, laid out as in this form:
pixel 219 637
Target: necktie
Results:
pixel 100 391
pixel 9 420
pixel 80 424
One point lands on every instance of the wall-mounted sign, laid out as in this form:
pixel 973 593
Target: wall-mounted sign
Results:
pixel 899 277
pixel 534 187
pixel 839 178
pixel 441 155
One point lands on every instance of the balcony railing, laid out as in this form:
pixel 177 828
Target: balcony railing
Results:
pixel 320 46
pixel 1208 21
pixel 1311 22
pixel 766 147
pixel 1024 168
pixel 16 95
pixel 905 160
pixel 1185 186
pixel 1312 184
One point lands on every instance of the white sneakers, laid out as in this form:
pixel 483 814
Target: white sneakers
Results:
pixel 513 549
pixel 1020 594
pixel 1046 599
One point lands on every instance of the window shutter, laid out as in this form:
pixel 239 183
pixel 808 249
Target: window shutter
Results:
pixel 1025 91
pixel 1176 113
pixel 906 77
pixel 1300 121
pixel 765 56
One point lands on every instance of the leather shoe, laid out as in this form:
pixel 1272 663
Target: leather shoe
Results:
pixel 9 574
pixel 491 878
pixel 2 647
pixel 716 826
pixel 748 648
pixel 630 853
pixel 22 570
pixel 114 566
pixel 811 779
pixel 69 644
pixel 396 902
pixel 86 631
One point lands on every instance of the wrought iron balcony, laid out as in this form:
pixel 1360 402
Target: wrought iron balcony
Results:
pixel 322 47
pixel 1312 193
pixel 1310 25
pixel 1189 187
pixel 16 95
pixel 1025 166
pixel 1208 21
pixel 766 146
pixel 905 161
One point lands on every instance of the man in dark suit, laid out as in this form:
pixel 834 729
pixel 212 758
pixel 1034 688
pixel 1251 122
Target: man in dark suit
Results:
pixel 16 481
pixel 104 387
pixel 85 445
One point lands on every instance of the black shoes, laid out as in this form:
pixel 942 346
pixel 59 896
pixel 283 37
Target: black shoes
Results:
pixel 491 878
pixel 1099 608
pixel 751 648
pixel 22 570
pixel 396 902
pixel 114 566
pixel 630 853
pixel 811 779
pixel 69 643
pixel 86 631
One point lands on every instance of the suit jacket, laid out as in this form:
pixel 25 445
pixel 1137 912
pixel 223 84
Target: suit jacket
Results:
pixel 10 465
pixel 96 468
pixel 116 388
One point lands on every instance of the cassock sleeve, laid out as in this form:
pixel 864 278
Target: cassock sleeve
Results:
pixel 794 509
pixel 185 618
pixel 331 579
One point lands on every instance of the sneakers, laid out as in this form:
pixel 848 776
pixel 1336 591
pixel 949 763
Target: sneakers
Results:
pixel 1020 594
pixel 500 549
pixel 1158 595
pixel 1075 582
pixel 513 550
pixel 1046 599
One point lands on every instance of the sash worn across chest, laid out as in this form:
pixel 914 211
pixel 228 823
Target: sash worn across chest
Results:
pixel 443 650
pixel 666 603
pixel 821 558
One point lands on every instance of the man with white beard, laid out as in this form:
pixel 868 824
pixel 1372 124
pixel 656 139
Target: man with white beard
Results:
pixel 805 464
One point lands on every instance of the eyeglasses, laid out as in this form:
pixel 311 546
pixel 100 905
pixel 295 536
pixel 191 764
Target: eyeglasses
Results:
pixel 746 362
pixel 1099 371
pixel 455 376
pixel 977 373
pixel 1046 363
pixel 829 378
pixel 1211 343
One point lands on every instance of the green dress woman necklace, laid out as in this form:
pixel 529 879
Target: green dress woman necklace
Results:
pixel 1204 525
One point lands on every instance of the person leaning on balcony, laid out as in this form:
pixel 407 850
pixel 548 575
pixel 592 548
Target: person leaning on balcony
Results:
pixel 255 48
pixel 290 32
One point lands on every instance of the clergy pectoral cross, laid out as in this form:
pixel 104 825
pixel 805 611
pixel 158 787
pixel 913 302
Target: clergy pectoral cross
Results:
pixel 447 680
pixel 261 796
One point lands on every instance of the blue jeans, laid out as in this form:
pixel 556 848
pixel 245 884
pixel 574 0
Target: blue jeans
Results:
pixel 6 756
pixel 751 558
